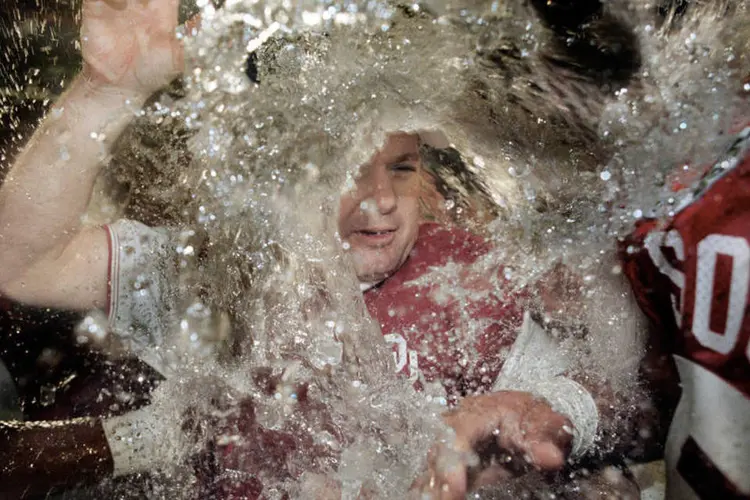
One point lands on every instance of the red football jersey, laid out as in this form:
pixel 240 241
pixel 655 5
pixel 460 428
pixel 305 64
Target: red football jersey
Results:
pixel 691 275
pixel 450 329
pixel 446 322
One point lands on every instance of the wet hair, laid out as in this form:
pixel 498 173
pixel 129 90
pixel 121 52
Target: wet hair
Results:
pixel 467 197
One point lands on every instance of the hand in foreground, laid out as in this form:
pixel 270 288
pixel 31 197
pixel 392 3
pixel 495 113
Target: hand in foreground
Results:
pixel 523 429
pixel 131 44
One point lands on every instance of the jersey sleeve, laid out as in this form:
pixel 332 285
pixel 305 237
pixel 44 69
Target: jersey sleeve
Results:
pixel 142 289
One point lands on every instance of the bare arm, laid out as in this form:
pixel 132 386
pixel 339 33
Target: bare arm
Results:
pixel 39 457
pixel 47 256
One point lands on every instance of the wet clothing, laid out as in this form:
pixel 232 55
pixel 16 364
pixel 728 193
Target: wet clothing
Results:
pixel 450 325
pixel 142 298
pixel 445 322
pixel 691 276
pixel 425 309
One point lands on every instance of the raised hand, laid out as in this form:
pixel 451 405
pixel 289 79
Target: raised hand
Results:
pixel 131 44
pixel 516 424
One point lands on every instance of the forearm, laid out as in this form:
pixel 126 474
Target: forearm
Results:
pixel 603 413
pixel 48 189
pixel 605 422
pixel 36 457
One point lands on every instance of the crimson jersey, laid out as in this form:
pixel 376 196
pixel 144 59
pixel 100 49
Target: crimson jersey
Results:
pixel 691 275
pixel 447 325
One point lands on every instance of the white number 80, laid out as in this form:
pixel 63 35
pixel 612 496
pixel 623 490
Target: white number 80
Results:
pixel 708 251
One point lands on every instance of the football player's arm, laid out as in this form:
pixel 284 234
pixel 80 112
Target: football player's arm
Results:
pixel 599 388
pixel 595 342
pixel 48 256
pixel 608 400
pixel 531 404
pixel 595 408
pixel 39 457
pixel 628 422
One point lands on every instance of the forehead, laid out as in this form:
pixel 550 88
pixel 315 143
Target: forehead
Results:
pixel 399 146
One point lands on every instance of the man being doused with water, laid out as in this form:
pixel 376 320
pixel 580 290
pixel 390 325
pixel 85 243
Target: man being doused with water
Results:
pixel 454 326
pixel 554 418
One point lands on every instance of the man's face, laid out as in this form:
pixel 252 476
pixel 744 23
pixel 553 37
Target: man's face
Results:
pixel 379 219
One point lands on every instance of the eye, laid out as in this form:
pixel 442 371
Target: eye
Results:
pixel 400 168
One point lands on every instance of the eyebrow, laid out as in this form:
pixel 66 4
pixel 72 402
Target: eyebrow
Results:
pixel 404 157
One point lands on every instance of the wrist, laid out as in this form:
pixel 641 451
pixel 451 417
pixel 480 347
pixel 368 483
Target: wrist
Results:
pixel 93 110
pixel 572 400
pixel 103 92
pixel 142 440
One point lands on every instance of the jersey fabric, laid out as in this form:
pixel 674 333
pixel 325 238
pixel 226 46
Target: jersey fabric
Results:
pixel 691 275
pixel 142 294
pixel 447 323
pixel 450 324
pixel 421 314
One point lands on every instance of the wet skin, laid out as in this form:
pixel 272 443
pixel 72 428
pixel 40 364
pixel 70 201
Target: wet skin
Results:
pixel 380 217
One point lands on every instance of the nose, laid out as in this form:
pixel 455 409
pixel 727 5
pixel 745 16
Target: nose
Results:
pixel 379 188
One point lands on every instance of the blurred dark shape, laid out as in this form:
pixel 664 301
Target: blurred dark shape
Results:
pixel 58 378
pixel 39 41
pixel 672 8
pixel 594 42
pixel 252 67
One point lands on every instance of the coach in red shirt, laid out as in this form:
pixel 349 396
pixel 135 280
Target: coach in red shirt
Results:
pixel 452 326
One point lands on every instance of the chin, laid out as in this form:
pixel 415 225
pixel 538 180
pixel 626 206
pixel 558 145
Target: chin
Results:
pixel 371 268
pixel 372 275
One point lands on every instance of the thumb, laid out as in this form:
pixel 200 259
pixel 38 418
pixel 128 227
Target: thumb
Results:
pixel 546 455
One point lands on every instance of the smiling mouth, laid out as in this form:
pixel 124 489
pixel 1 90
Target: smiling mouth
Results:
pixel 383 232
pixel 375 238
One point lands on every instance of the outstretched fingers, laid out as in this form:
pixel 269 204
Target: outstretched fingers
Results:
pixel 495 437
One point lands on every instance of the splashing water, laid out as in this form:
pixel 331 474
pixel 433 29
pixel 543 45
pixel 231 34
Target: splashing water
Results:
pixel 268 165
pixel 254 172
